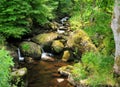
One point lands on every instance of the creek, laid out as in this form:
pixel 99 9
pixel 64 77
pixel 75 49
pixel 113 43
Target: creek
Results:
pixel 44 74
pixel 42 63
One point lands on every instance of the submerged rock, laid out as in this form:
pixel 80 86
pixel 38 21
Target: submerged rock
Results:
pixel 45 39
pixel 30 49
pixel 80 40
pixel 57 46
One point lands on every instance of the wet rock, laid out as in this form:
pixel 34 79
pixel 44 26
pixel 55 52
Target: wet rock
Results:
pixel 30 49
pixel 60 80
pixel 57 46
pixel 45 39
pixel 29 60
pixel 65 70
pixel 80 40
pixel 19 73
pixel 66 56
pixel 19 78
pixel 54 25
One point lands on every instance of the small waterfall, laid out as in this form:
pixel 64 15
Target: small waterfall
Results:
pixel 62 28
pixel 45 55
pixel 64 19
pixel 19 56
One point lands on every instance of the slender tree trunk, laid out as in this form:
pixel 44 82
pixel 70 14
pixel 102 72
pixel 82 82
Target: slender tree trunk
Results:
pixel 115 25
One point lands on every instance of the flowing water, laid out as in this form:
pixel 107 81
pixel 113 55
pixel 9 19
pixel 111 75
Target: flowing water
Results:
pixel 19 56
pixel 45 74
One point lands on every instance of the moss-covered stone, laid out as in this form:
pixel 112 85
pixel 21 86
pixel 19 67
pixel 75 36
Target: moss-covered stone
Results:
pixel 45 39
pixel 66 56
pixel 80 40
pixel 30 49
pixel 19 73
pixel 66 70
pixel 57 46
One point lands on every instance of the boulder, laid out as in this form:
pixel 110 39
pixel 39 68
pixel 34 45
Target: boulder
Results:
pixel 30 49
pixel 66 56
pixel 54 25
pixel 65 70
pixel 19 78
pixel 57 46
pixel 80 40
pixel 45 39
pixel 19 73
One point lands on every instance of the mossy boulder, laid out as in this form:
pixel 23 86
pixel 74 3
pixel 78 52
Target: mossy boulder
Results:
pixel 65 70
pixel 20 72
pixel 30 49
pixel 45 39
pixel 66 55
pixel 80 40
pixel 54 25
pixel 57 46
pixel 19 78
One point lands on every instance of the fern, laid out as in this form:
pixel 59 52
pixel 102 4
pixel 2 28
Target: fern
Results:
pixel 5 63
pixel 17 16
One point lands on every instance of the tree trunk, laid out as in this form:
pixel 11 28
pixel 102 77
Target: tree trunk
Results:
pixel 115 25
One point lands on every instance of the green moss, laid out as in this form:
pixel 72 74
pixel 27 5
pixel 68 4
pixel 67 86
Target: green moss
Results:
pixel 45 39
pixel 25 46
pixel 81 40
pixel 57 46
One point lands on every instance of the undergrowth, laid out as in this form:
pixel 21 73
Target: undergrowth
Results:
pixel 5 64
pixel 96 69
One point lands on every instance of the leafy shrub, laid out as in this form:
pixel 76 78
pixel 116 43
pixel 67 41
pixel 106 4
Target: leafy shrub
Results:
pixel 2 40
pixel 96 68
pixel 17 16
pixel 5 63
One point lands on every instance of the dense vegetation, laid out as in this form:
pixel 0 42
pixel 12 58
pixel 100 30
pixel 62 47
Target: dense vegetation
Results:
pixel 91 69
pixel 5 64
pixel 18 17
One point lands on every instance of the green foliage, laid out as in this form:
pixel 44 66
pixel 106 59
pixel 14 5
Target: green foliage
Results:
pixel 64 7
pixel 79 72
pixel 96 68
pixel 101 33
pixel 2 40
pixel 17 16
pixel 5 63
pixel 13 16
pixel 94 16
